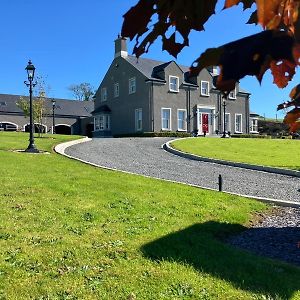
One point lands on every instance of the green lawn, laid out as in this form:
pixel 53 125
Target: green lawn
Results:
pixel 280 153
pixel 73 231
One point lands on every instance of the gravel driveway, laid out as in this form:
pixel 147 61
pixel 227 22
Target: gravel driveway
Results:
pixel 145 156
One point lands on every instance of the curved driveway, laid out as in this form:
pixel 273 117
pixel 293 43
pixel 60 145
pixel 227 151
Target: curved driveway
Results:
pixel 145 156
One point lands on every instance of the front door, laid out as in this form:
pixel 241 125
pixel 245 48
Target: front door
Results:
pixel 205 125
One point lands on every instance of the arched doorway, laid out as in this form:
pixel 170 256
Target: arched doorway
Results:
pixel 38 128
pixel 63 129
pixel 8 126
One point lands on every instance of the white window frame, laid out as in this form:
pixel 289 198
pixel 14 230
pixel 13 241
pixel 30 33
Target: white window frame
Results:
pixel 251 125
pixel 201 89
pixel 235 123
pixel 103 94
pixel 138 113
pixel 184 120
pixel 116 89
pixel 232 94
pixel 102 122
pixel 162 119
pixel 229 121
pixel 177 84
pixel 132 85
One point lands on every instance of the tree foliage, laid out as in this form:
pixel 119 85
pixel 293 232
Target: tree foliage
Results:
pixel 276 48
pixel 83 91
pixel 39 107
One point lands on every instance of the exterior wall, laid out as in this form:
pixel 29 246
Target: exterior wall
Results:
pixel 152 96
pixel 21 121
pixel 123 107
pixel 163 98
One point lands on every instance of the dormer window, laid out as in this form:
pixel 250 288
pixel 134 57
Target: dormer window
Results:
pixel 173 84
pixel 232 94
pixel 104 94
pixel 204 88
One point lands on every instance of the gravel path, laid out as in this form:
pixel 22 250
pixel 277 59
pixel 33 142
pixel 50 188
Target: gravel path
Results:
pixel 145 156
pixel 275 235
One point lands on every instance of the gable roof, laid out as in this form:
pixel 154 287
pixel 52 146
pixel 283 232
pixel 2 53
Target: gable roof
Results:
pixel 149 68
pixel 8 104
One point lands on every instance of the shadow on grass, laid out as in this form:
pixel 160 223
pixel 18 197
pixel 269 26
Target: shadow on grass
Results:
pixel 201 247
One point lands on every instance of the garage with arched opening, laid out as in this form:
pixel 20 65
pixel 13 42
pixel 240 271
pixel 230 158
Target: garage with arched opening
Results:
pixel 63 129
pixel 8 126
pixel 38 128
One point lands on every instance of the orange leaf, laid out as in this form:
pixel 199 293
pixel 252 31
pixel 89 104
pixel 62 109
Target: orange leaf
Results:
pixel 295 127
pixel 292 116
pixel 283 71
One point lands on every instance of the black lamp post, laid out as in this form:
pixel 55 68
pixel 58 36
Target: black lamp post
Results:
pixel 53 115
pixel 30 75
pixel 224 118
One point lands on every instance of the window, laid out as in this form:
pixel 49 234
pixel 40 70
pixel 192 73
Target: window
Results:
pixel 238 123
pixel 254 125
pixel 102 122
pixel 204 88
pixel 173 84
pixel 132 85
pixel 232 94
pixel 138 119
pixel 116 89
pixel 227 122
pixel 104 94
pixel 166 118
pixel 181 119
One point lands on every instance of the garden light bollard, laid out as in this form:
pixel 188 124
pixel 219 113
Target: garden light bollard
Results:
pixel 220 183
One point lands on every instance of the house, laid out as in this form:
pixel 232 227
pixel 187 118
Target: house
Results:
pixel 70 116
pixel 145 95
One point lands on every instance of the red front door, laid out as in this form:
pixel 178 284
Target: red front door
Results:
pixel 205 123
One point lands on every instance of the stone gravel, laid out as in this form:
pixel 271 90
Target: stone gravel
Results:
pixel 275 235
pixel 145 156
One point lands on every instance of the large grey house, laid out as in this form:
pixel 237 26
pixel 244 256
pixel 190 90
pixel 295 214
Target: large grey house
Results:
pixel 144 95
pixel 70 116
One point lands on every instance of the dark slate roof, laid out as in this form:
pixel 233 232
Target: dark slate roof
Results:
pixel 149 67
pixel 63 106
pixel 102 108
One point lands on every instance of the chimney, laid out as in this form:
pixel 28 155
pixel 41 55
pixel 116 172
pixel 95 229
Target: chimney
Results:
pixel 121 47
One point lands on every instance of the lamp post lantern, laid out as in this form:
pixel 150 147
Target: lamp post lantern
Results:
pixel 30 75
pixel 224 118
pixel 53 115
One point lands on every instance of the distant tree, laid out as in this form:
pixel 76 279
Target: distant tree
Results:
pixel 83 91
pixel 276 48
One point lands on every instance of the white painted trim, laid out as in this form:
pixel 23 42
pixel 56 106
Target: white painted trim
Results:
pixel 208 88
pixel 233 98
pixel 102 94
pixel 122 54
pixel 8 122
pixel 68 125
pixel 130 80
pixel 170 90
pixel 235 115
pixel 135 119
pixel 166 129
pixel 184 121
pixel 211 116
pixel 116 95
pixel 229 122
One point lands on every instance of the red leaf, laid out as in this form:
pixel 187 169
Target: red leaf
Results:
pixel 282 71
pixel 249 56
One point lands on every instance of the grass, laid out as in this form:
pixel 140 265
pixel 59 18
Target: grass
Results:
pixel 280 153
pixel 73 231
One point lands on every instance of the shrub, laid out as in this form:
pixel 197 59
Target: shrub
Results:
pixel 154 134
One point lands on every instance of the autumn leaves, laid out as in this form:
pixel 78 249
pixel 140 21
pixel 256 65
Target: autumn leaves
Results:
pixel 276 47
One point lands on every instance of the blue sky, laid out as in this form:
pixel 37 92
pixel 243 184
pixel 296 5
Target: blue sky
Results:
pixel 72 41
